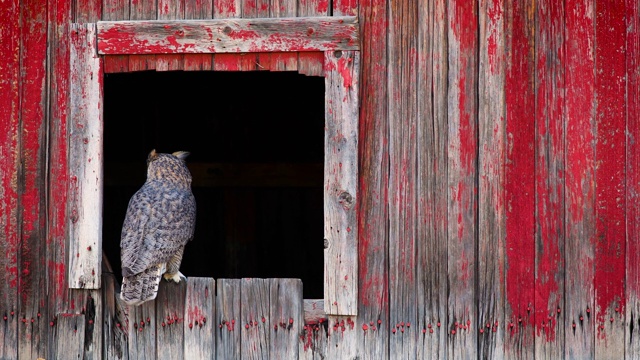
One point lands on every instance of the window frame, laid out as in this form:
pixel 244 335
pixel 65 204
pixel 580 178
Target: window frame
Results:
pixel 337 37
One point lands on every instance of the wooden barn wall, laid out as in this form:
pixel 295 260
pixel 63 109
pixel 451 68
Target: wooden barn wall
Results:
pixel 499 214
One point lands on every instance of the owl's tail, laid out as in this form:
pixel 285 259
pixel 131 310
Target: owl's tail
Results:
pixel 141 287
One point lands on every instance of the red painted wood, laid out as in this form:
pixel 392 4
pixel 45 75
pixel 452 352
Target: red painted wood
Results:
pixel 170 10
pixel 115 10
pixel 519 180
pixel 579 178
pixel 142 10
pixel 462 150
pixel 283 61
pixel 59 17
pixel 198 9
pixel 610 177
pixel 549 177
pixel 87 11
pixel 31 184
pixel 491 160
pixel 223 9
pixel 312 63
pixel 9 151
pixel 632 345
pixel 373 236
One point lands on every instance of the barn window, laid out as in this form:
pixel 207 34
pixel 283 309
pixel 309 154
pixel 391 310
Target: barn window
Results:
pixel 335 36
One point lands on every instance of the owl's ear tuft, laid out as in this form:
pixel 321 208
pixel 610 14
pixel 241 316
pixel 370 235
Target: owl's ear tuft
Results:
pixel 152 156
pixel 181 154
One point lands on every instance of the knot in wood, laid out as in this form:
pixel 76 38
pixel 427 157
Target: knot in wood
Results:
pixel 227 30
pixel 346 200
pixel 337 54
pixel 326 243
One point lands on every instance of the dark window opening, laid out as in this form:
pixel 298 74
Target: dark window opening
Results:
pixel 257 150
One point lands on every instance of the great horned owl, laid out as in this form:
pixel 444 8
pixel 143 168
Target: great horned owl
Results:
pixel 160 221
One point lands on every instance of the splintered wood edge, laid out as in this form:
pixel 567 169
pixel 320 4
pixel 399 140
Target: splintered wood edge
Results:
pixel 325 33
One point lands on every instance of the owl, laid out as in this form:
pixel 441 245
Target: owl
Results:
pixel 160 220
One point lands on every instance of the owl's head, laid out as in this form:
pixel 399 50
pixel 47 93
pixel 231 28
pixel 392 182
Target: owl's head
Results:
pixel 168 167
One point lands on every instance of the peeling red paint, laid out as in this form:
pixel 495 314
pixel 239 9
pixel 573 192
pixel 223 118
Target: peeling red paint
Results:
pixel 610 156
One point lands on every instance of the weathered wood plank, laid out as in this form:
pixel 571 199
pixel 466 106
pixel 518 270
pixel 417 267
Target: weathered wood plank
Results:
pixel 69 330
pixel 115 10
pixel 313 341
pixel 225 9
pixel 610 86
pixel 227 36
pixel 314 311
pixel 550 167
pixel 632 285
pixel 85 160
pixel 254 318
pixel 114 336
pixel 142 10
pixel 31 186
pixel 60 15
pixel 402 325
pixel 9 163
pixel 170 10
pixel 87 11
pixel 461 174
pixel 373 236
pixel 341 181
pixel 491 160
pixel 259 9
pixel 170 313
pixel 312 64
pixel 199 319
pixel 228 319
pixel 286 319
pixel 142 326
pixel 198 9
pixel 342 341
pixel 579 180
pixel 519 185
pixel 283 61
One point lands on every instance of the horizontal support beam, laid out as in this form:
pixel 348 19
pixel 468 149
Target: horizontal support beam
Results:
pixel 228 35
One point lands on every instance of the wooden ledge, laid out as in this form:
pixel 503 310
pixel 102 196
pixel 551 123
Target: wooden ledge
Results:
pixel 228 35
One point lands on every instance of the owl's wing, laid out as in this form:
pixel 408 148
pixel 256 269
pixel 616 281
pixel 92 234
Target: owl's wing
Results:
pixel 156 225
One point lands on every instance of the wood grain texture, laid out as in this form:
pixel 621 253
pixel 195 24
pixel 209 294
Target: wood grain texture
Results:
pixel 87 11
pixel 373 236
pixel 227 36
pixel 312 64
pixel 170 10
pixel 198 9
pixel 199 319
pixel 313 341
pixel 519 180
pixel 340 182
pixel 228 319
pixel 283 61
pixel 31 211
pixel 115 10
pixel 343 336
pixel 632 285
pixel 85 161
pixel 491 161
pixel 286 318
pixel 610 87
pixel 143 10
pixel 226 9
pixel 255 333
pixel 402 99
pixel 141 330
pixel 69 327
pixel 461 175
pixel 550 174
pixel 114 336
pixel 9 163
pixel 579 179
pixel 170 320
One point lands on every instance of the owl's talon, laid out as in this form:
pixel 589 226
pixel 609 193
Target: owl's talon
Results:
pixel 175 277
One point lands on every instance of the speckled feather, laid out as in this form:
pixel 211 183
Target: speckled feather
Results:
pixel 160 220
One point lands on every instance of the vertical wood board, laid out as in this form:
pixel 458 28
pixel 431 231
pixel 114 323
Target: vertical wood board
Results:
pixel 69 329
pixel 340 182
pixel 170 319
pixel 142 326
pixel 85 160
pixel 199 319
pixel 286 318
pixel 254 318
pixel 228 319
